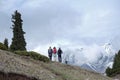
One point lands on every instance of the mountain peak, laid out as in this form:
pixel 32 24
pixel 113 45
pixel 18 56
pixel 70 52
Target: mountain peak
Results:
pixel 109 49
pixel 98 57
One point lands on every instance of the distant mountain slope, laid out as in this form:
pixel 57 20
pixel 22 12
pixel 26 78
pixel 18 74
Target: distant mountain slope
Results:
pixel 10 62
pixel 96 58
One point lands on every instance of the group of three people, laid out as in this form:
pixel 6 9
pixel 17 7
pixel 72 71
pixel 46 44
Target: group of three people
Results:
pixel 54 52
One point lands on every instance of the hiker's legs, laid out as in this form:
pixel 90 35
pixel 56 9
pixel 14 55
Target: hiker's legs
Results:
pixel 54 57
pixel 51 58
pixel 59 58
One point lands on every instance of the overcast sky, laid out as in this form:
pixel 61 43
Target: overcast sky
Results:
pixel 63 22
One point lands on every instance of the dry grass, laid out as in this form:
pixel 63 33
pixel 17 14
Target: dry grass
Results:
pixel 10 62
pixel 68 72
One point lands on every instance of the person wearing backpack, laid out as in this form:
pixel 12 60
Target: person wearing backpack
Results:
pixel 59 55
pixel 50 53
pixel 54 53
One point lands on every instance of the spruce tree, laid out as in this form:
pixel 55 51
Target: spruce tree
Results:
pixel 116 66
pixel 108 71
pixel 18 40
pixel 6 42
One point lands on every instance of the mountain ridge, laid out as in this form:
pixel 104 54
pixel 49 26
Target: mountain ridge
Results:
pixel 10 62
pixel 96 58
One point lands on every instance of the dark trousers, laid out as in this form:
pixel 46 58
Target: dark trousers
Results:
pixel 59 58
pixel 50 57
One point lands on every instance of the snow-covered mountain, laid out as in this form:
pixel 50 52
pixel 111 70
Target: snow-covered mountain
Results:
pixel 96 58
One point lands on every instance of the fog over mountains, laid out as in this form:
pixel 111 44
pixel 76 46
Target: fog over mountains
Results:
pixel 96 58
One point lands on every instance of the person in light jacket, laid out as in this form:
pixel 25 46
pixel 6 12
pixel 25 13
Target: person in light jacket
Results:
pixel 54 53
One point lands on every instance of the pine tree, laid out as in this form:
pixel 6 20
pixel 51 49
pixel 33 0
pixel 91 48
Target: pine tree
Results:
pixel 18 40
pixel 117 61
pixel 108 71
pixel 116 66
pixel 6 42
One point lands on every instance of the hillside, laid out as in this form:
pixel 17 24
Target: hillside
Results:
pixel 37 70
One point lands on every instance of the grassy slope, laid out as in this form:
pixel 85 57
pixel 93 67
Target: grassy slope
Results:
pixel 10 62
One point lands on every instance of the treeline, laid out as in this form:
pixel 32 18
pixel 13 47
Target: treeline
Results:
pixel 18 40
pixel 18 44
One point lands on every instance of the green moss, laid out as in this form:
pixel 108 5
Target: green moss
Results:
pixel 33 55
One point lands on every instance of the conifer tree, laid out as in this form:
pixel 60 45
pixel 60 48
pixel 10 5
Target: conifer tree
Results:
pixel 18 40
pixel 109 71
pixel 116 66
pixel 6 42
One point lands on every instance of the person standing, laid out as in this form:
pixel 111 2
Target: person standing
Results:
pixel 54 53
pixel 59 55
pixel 50 53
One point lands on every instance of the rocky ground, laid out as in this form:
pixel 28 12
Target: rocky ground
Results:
pixel 117 77
pixel 14 76
pixel 12 63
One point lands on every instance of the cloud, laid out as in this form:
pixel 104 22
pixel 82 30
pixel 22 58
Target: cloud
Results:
pixel 50 22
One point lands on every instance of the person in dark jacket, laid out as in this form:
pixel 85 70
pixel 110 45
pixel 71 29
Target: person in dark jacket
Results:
pixel 50 53
pixel 59 55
